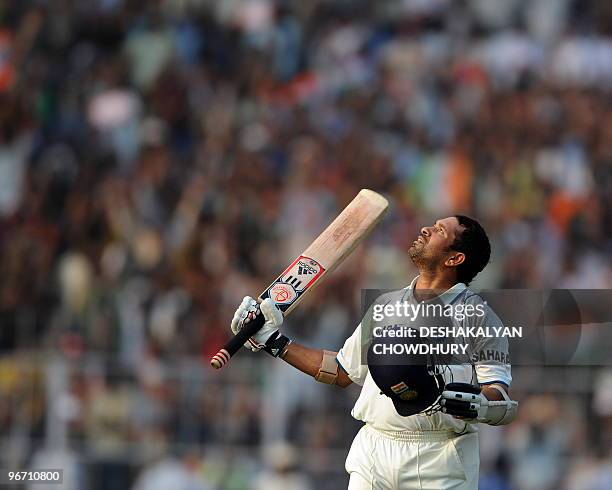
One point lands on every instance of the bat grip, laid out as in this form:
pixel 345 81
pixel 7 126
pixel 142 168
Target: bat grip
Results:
pixel 232 346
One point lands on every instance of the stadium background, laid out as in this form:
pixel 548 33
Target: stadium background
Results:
pixel 159 160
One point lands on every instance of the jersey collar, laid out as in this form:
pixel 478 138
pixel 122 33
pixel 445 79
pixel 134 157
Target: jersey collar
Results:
pixel 447 297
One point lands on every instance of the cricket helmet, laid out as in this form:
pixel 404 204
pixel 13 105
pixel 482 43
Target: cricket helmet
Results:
pixel 414 382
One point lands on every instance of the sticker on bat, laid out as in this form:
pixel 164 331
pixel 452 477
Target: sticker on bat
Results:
pixel 282 294
pixel 302 273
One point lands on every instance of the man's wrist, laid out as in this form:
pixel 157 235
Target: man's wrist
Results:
pixel 285 349
pixel 277 344
pixel 493 394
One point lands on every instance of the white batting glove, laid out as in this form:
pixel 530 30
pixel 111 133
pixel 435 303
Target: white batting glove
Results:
pixel 247 310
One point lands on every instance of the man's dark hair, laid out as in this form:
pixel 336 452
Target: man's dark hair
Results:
pixel 474 243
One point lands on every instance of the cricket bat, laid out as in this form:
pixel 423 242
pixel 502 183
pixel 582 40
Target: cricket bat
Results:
pixel 306 272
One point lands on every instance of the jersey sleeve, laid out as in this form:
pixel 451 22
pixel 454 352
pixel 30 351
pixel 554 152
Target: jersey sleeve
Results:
pixel 349 358
pixel 491 357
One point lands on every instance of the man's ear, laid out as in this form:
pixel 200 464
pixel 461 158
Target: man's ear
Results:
pixel 455 259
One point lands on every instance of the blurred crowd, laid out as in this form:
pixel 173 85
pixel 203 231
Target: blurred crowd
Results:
pixel 159 160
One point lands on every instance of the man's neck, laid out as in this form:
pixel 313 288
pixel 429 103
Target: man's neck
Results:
pixel 429 286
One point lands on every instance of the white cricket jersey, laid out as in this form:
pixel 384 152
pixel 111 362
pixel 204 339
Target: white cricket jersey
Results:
pixel 490 364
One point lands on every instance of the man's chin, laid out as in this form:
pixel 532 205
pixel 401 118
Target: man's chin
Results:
pixel 416 246
pixel 414 252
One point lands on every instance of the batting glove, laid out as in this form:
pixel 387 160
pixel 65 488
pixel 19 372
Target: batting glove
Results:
pixel 463 400
pixel 247 310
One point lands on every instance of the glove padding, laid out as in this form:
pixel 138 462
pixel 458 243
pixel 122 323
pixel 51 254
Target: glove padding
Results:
pixel 465 401
pixel 247 310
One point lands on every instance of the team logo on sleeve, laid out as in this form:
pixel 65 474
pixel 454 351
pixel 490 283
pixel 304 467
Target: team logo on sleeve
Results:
pixel 404 392
pixel 491 355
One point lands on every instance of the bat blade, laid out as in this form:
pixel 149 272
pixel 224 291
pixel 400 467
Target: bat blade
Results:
pixel 308 270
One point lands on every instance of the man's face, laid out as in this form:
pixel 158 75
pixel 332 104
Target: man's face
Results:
pixel 432 247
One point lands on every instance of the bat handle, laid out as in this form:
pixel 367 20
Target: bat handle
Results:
pixel 222 357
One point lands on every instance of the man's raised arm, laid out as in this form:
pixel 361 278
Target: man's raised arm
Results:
pixel 320 364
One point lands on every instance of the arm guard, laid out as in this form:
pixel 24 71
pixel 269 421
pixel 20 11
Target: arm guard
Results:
pixel 328 370
pixel 498 412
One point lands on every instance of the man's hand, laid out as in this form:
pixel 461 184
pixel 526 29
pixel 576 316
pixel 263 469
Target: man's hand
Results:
pixel 465 401
pixel 247 311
